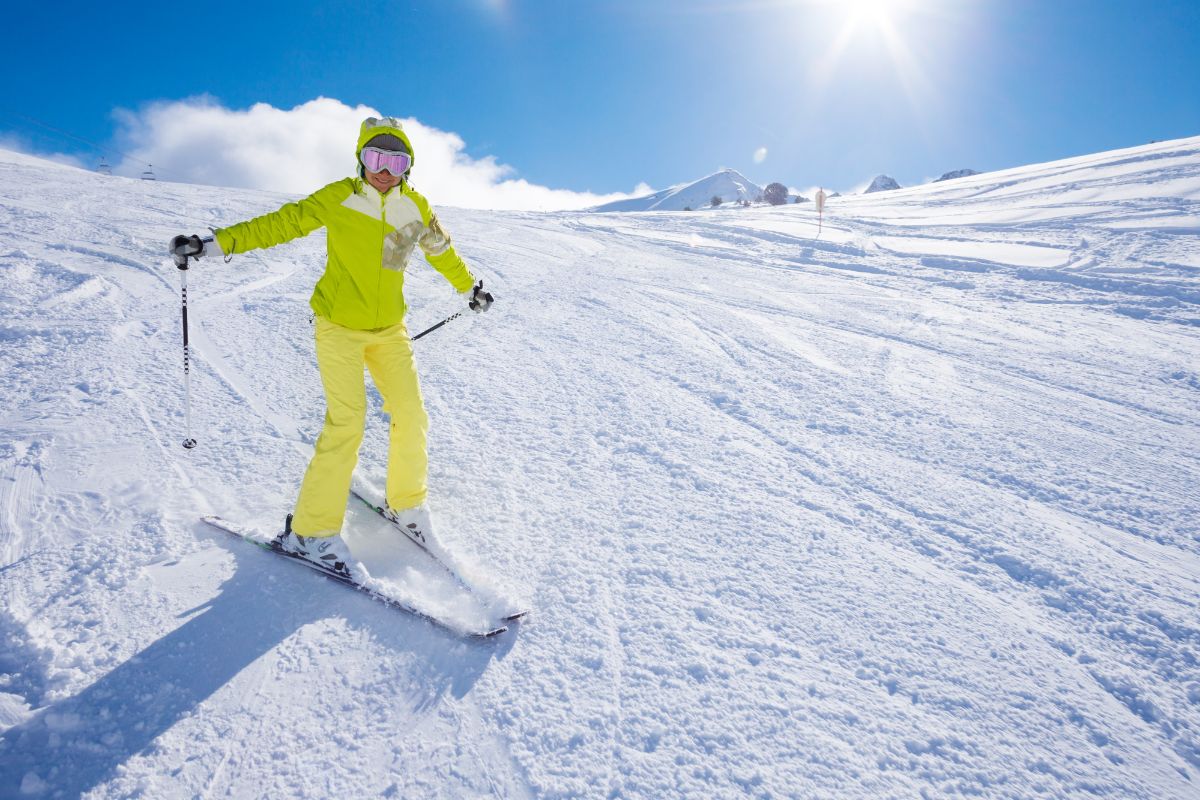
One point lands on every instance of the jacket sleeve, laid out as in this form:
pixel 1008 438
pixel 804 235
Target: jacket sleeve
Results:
pixel 439 252
pixel 435 244
pixel 290 222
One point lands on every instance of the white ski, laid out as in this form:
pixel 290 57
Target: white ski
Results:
pixel 359 490
pixel 255 537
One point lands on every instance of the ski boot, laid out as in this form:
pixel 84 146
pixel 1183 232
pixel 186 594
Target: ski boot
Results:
pixel 417 524
pixel 330 553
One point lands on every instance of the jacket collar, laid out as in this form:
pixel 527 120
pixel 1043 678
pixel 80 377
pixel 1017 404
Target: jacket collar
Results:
pixel 364 188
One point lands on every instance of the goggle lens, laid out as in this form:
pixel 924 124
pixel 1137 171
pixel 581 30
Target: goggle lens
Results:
pixel 376 160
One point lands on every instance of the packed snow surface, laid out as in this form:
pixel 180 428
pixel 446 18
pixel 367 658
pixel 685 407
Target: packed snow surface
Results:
pixel 906 509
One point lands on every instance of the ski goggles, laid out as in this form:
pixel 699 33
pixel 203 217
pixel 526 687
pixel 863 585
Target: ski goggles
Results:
pixel 376 160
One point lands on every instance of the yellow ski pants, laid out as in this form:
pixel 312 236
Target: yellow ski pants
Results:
pixel 341 354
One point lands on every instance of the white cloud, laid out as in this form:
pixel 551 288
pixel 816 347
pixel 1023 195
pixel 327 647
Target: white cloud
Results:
pixel 299 150
pixel 760 155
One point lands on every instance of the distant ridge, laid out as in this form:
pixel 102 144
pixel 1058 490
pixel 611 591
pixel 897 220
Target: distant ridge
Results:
pixel 958 173
pixel 728 184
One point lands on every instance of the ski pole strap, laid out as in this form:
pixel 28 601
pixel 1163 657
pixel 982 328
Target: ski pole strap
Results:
pixel 440 324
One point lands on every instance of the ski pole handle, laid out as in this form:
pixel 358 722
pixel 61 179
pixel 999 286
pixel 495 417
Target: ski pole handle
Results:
pixel 185 247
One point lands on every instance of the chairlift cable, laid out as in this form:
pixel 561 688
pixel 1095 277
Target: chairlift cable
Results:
pixel 102 149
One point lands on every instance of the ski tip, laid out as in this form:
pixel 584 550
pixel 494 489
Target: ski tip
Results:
pixel 517 616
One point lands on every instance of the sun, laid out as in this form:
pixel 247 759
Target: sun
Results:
pixel 870 35
pixel 878 12
pixel 865 15
pixel 867 19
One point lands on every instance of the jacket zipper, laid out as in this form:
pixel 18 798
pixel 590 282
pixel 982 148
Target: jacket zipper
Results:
pixel 382 248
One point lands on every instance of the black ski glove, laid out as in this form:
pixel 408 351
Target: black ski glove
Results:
pixel 477 299
pixel 194 247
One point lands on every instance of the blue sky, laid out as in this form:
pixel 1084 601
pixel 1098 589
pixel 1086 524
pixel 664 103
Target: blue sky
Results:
pixel 594 96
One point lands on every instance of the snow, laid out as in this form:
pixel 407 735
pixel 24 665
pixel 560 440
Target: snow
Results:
pixel 1003 252
pixel 956 173
pixel 908 509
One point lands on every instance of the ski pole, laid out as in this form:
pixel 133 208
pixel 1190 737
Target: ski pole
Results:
pixel 479 301
pixel 440 324
pixel 181 261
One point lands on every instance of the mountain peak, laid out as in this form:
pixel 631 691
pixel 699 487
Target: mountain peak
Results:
pixel 882 183
pixel 726 183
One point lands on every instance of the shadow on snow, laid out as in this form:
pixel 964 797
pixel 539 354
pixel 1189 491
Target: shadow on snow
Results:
pixel 78 743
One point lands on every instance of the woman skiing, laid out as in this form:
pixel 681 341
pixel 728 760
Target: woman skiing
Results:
pixel 373 223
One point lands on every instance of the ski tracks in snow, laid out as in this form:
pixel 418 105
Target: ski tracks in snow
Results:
pixel 906 510
pixel 876 374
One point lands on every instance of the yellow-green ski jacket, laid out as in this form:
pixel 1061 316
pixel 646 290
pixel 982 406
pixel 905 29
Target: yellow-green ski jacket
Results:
pixel 370 238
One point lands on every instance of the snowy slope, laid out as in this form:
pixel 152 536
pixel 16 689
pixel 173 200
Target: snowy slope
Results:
pixel 727 184
pixel 906 510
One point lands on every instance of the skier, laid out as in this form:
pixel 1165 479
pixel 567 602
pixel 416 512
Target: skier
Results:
pixel 372 223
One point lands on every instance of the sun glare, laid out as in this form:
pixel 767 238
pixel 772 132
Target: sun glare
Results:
pixel 882 46
pixel 869 11
pixel 882 21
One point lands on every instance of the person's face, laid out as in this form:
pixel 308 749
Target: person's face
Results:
pixel 382 180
